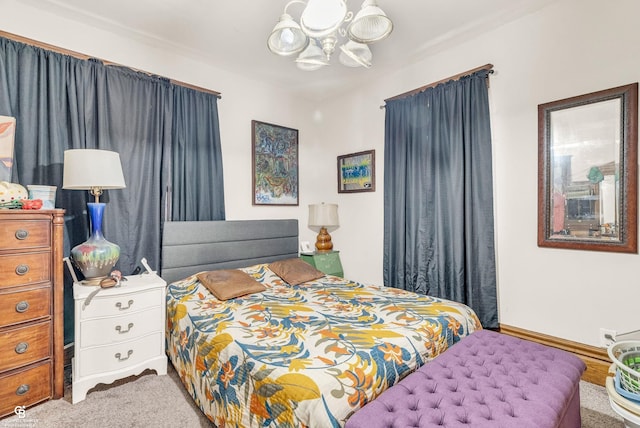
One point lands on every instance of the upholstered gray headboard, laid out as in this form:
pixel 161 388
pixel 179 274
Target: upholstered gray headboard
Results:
pixel 190 247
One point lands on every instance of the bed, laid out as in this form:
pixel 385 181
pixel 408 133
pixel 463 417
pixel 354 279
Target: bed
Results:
pixel 308 355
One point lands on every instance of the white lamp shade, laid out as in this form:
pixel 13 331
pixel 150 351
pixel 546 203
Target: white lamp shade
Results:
pixel 312 58
pixel 371 24
pixel 86 169
pixel 287 38
pixel 355 54
pixel 323 215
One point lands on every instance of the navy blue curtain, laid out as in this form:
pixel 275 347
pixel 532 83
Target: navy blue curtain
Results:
pixel 61 103
pixel 196 157
pixel 438 195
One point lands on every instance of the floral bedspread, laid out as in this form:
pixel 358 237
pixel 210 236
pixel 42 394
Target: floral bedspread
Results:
pixel 302 356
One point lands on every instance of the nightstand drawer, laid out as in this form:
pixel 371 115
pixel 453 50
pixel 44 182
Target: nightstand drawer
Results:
pixel 24 305
pixel 119 356
pixel 122 304
pixel 28 268
pixel 327 263
pixel 25 234
pixel 104 331
pixel 20 346
pixel 25 388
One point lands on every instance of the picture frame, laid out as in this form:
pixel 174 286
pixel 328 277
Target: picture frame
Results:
pixel 587 171
pixel 357 172
pixel 274 159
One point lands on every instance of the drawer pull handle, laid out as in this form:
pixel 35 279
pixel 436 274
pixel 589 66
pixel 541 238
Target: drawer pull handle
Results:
pixel 121 331
pixel 21 347
pixel 119 305
pixel 22 269
pixel 119 356
pixel 22 306
pixel 22 234
pixel 23 389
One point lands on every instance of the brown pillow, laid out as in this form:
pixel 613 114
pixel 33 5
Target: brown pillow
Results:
pixel 295 271
pixel 227 284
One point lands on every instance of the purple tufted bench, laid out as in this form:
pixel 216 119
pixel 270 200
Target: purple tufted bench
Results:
pixel 487 379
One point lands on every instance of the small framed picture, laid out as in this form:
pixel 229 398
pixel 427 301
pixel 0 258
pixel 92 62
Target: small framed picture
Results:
pixel 275 164
pixel 357 172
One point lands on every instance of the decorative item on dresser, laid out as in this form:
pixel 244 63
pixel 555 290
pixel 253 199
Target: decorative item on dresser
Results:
pixel 31 308
pixel 119 331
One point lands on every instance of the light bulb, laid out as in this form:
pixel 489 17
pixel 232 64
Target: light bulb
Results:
pixel 286 37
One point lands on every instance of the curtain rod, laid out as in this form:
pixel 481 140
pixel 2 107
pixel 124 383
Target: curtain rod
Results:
pixel 78 55
pixel 488 67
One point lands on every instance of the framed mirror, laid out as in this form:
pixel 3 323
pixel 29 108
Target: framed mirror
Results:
pixel 587 171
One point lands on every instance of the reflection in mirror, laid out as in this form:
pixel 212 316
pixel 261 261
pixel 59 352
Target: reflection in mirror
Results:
pixel 587 167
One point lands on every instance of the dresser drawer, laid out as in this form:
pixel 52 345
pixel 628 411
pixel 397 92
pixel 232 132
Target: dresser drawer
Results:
pixel 25 388
pixel 23 306
pixel 120 356
pixel 28 268
pixel 25 234
pixel 122 304
pixel 21 346
pixel 104 331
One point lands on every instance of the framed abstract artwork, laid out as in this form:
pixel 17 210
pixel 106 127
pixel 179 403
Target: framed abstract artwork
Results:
pixel 274 164
pixel 7 135
pixel 357 172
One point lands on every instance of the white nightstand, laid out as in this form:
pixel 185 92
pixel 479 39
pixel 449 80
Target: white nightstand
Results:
pixel 119 333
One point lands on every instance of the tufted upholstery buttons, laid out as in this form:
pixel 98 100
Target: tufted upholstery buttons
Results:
pixel 486 380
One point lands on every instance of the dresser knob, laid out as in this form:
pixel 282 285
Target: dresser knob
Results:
pixel 22 269
pixel 119 356
pixel 119 305
pixel 121 331
pixel 22 234
pixel 22 306
pixel 21 347
pixel 22 389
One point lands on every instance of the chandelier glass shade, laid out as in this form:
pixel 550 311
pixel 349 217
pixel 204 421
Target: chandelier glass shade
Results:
pixel 320 30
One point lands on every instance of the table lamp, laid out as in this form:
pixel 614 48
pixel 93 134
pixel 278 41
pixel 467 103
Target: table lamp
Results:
pixel 93 170
pixel 323 216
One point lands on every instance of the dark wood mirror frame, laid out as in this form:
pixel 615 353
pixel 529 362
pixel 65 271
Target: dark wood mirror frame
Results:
pixel 574 210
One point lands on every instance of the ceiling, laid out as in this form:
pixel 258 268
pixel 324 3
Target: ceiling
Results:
pixel 232 34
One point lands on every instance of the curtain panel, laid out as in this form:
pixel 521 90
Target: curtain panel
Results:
pixel 438 195
pixel 196 157
pixel 61 102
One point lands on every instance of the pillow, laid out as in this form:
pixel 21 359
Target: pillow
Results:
pixel 228 284
pixel 295 271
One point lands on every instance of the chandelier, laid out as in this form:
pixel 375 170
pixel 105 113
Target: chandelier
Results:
pixel 315 38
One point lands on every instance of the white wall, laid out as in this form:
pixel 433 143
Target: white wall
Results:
pixel 569 48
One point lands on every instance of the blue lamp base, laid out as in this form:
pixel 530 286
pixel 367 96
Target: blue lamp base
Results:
pixel 96 257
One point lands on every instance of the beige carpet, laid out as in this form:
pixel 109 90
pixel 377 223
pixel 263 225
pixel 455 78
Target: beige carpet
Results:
pixel 161 401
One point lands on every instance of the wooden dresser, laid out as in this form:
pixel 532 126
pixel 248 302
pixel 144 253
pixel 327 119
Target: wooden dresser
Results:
pixel 31 307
